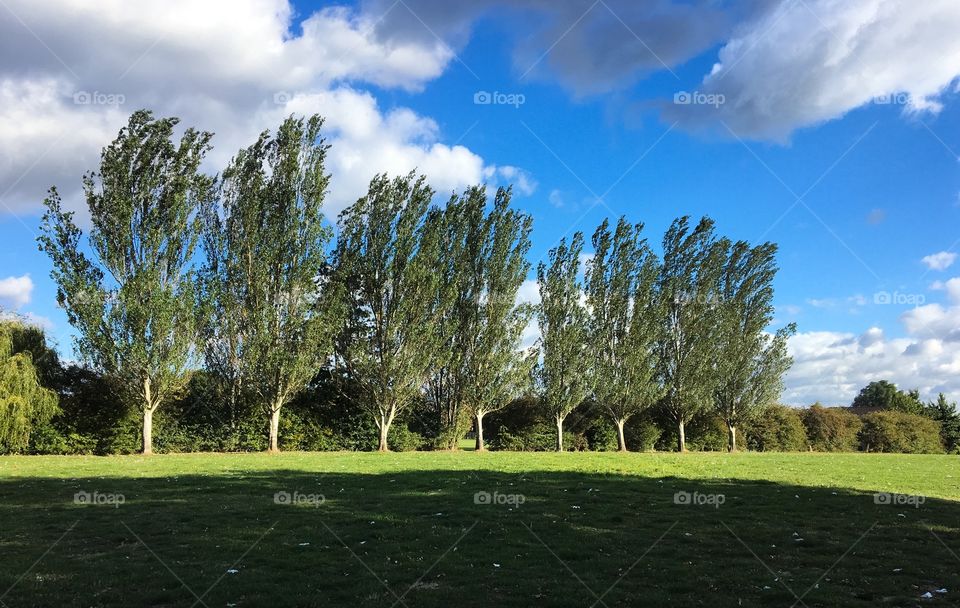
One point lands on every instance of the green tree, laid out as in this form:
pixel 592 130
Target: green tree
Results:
pixel 946 414
pixel 780 429
pixel 383 264
pixel 133 302
pixel 25 404
pixel 749 363
pixel 271 309
pixel 885 395
pixel 900 432
pixel 564 374
pixel 831 429
pixel 625 313
pixel 491 370
pixel 688 284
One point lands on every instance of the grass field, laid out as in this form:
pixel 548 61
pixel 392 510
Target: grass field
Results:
pixel 410 529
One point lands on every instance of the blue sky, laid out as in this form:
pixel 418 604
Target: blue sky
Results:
pixel 847 158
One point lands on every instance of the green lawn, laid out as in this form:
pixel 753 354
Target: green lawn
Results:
pixel 406 530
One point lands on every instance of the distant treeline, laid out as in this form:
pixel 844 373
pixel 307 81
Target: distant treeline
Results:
pixel 204 306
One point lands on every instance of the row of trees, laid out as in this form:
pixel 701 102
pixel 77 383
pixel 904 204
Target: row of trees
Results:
pixel 687 333
pixel 414 303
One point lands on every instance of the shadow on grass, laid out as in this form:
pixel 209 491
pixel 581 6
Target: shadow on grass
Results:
pixel 467 538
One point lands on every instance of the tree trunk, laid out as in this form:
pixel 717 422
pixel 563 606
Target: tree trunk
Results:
pixel 382 445
pixel 681 439
pixel 621 442
pixel 559 434
pixel 148 407
pixel 148 430
pixel 479 421
pixel 733 439
pixel 274 430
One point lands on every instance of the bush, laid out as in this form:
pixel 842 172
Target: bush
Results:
pixel 402 439
pixel 541 437
pixel 641 434
pixel 900 432
pixel 779 429
pixel 601 435
pixel 705 433
pixel 831 429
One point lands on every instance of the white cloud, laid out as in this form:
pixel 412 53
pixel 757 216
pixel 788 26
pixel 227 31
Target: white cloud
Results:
pixel 803 63
pixel 15 292
pixel 234 68
pixel 939 261
pixel 832 367
pixel 556 198
pixel 523 182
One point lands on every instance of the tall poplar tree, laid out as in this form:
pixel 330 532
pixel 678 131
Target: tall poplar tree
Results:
pixel 749 362
pixel 383 264
pixel 132 302
pixel 491 369
pixel 272 313
pixel 625 313
pixel 565 373
pixel 688 285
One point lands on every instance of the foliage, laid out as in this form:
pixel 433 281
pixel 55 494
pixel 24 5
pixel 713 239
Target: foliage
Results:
pixel 780 429
pixel 270 324
pixel 885 395
pixel 831 429
pixel 895 431
pixel 564 375
pixel 25 404
pixel 642 433
pixel 947 415
pixel 688 284
pixel 624 314
pixel 132 304
pixel 749 363
pixel 489 370
pixel 388 343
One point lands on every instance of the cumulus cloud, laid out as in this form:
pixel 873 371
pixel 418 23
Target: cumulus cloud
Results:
pixel 803 63
pixel 235 68
pixel 16 291
pixel 832 367
pixel 939 261
pixel 590 47
pixel 781 65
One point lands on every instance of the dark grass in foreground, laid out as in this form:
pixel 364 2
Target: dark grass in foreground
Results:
pixel 406 530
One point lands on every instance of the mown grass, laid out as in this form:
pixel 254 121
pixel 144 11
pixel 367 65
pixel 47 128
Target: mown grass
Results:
pixel 405 530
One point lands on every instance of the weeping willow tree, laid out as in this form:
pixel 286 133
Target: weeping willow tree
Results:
pixel 24 402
